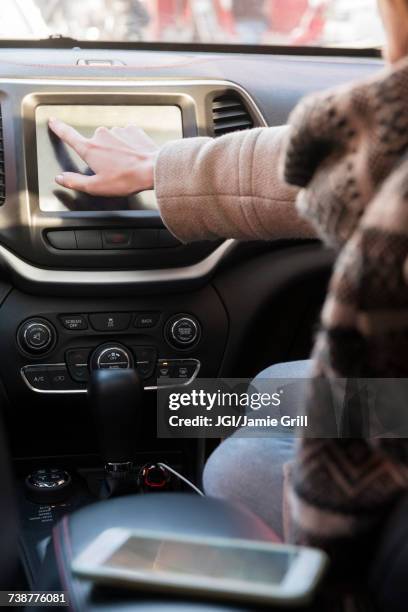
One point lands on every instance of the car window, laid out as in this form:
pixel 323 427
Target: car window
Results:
pixel 325 23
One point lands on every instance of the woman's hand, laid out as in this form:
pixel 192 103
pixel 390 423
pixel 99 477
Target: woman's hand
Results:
pixel 122 158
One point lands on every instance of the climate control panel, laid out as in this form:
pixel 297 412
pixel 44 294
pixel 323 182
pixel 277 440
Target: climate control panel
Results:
pixel 47 388
pixel 37 337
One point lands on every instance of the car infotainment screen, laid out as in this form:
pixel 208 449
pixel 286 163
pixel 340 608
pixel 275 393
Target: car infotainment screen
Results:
pixel 161 123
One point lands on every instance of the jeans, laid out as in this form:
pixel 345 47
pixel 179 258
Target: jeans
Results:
pixel 250 470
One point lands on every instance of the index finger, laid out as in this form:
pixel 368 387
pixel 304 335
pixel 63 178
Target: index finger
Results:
pixel 69 135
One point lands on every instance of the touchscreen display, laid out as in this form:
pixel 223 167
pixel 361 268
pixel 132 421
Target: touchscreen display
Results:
pixel 161 123
pixel 201 560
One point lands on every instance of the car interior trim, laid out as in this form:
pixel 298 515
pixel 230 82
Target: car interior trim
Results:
pixel 77 278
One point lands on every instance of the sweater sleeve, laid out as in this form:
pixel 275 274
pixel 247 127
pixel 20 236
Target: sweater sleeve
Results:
pixel 228 188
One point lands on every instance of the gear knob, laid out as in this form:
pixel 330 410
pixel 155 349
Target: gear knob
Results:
pixel 115 396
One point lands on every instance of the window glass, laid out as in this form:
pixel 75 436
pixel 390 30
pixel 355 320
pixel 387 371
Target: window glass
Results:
pixel 341 23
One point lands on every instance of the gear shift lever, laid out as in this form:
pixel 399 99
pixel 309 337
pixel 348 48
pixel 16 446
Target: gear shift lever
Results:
pixel 115 396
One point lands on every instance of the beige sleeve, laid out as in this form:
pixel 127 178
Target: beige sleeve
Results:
pixel 228 188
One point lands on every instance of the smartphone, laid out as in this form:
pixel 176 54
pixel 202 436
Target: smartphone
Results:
pixel 205 567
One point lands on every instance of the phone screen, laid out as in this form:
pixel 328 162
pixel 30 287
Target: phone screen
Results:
pixel 200 560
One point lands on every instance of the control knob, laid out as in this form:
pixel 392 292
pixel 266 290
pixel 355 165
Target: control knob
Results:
pixel 183 331
pixel 48 486
pixel 112 356
pixel 36 336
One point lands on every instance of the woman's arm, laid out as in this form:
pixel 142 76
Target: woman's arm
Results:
pixel 206 188
pixel 229 187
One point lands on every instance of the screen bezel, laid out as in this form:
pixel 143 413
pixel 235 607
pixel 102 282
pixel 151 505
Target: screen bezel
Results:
pixel 184 102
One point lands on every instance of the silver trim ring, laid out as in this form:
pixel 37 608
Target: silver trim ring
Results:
pixel 114 348
pixel 43 346
pixel 184 342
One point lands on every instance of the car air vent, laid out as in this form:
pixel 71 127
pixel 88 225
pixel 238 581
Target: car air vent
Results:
pixel 2 167
pixel 230 114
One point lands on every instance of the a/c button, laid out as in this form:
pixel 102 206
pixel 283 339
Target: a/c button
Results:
pixel 38 378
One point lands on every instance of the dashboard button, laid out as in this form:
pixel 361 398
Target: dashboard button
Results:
pixel 74 322
pixel 78 356
pixel 164 369
pixel 60 379
pixel 183 331
pixel 146 357
pixel 146 369
pixel 145 239
pixel 110 321
pixel 64 240
pixel 113 358
pixel 36 336
pixel 180 371
pixel 146 353
pixel 117 239
pixel 79 373
pixel 89 240
pixel 183 369
pixel 38 377
pixel 147 320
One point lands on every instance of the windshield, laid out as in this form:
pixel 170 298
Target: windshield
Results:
pixel 325 23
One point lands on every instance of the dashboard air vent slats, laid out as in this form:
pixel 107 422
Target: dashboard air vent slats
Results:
pixel 230 114
pixel 2 166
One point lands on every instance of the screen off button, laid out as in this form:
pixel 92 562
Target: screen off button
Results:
pixel 74 322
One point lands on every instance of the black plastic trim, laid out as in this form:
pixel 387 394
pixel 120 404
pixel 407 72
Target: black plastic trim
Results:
pixel 69 43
